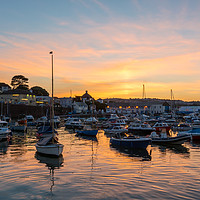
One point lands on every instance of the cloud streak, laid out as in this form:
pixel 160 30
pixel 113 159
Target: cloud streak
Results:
pixel 111 58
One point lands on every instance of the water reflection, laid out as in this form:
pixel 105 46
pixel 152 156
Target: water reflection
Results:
pixel 142 154
pixel 178 149
pixel 195 144
pixel 87 137
pixel 3 147
pixel 17 145
pixel 51 163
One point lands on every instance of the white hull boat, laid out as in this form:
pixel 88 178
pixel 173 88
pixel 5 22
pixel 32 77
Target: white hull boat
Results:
pixel 5 132
pixel 51 149
pixel 49 146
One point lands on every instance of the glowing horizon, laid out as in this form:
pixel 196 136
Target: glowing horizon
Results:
pixel 108 48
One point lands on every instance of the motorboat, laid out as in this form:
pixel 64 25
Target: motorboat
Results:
pixel 74 123
pixel 182 127
pixel 165 140
pixel 159 126
pixel 42 121
pixel 117 122
pixel 49 146
pixel 130 142
pixel 5 132
pixel 116 129
pixel 194 133
pixel 141 129
pixel 18 128
pixel 87 131
pixel 196 123
pixel 56 120
pixel 30 120
pixel 91 120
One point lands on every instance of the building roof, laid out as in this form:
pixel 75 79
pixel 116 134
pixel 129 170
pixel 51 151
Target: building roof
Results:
pixel 86 95
pixel 165 104
pixel 18 91
pixel 4 85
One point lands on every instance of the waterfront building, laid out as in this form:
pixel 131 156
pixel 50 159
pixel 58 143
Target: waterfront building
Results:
pixel 160 108
pixel 100 100
pixel 4 87
pixel 79 107
pixel 87 97
pixel 43 100
pixel 18 96
pixel 66 102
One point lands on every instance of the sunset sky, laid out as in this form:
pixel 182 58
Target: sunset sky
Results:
pixel 108 47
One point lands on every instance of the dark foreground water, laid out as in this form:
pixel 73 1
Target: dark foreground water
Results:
pixel 91 169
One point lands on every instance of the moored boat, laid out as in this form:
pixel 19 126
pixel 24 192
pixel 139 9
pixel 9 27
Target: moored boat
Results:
pixel 164 140
pixel 141 129
pixel 115 130
pixel 49 146
pixel 194 133
pixel 87 131
pixel 130 142
pixel 5 132
pixel 159 126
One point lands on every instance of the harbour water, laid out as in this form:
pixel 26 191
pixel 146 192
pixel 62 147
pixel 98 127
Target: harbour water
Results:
pixel 91 169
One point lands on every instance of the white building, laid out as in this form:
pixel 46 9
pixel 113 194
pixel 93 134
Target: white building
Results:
pixel 100 100
pixel 4 87
pixel 66 102
pixel 157 109
pixel 79 107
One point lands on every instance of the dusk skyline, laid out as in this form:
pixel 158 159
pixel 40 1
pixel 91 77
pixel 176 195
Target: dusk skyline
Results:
pixel 110 48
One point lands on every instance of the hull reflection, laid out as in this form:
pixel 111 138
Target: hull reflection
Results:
pixel 94 138
pixel 178 149
pixel 139 153
pixel 52 162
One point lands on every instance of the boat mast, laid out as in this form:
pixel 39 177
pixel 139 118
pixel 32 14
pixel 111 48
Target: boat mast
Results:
pixel 172 102
pixel 144 93
pixel 52 102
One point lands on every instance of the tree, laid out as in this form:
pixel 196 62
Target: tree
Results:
pixel 20 82
pixel 39 91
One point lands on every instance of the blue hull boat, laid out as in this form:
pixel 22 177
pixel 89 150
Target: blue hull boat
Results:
pixel 88 132
pixel 134 143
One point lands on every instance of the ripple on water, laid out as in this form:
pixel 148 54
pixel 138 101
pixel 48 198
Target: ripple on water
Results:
pixel 91 169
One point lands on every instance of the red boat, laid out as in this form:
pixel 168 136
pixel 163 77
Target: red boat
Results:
pixel 160 126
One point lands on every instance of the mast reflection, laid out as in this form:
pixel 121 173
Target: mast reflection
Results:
pixel 51 163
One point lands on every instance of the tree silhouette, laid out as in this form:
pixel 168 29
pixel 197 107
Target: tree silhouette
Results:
pixel 19 82
pixel 39 91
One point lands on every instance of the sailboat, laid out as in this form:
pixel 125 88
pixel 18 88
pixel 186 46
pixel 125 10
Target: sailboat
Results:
pixel 50 145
